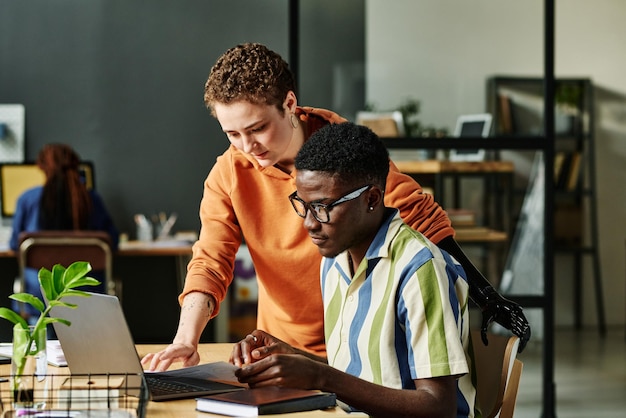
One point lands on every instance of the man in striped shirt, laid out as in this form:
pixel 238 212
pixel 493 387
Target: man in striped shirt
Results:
pixel 395 305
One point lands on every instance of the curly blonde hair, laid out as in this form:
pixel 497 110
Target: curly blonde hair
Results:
pixel 250 72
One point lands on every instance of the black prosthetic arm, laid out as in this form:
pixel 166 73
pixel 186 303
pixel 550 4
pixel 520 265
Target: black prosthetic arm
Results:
pixel 494 307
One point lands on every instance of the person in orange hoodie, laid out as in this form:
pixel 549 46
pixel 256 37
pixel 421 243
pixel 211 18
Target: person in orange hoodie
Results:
pixel 252 93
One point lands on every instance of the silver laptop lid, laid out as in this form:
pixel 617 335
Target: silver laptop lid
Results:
pixel 98 340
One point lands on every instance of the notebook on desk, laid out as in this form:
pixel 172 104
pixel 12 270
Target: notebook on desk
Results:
pixel 99 341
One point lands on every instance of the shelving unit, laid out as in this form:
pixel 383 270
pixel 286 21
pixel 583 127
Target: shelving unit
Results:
pixel 517 106
pixel 543 142
pixel 489 231
pixel 544 301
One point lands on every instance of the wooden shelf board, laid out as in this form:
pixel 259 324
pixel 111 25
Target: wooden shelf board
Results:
pixel 480 234
pixel 444 166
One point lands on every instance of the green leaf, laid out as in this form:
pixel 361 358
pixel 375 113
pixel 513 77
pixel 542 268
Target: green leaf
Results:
pixel 47 285
pixel 75 272
pixel 9 315
pixel 85 281
pixel 63 304
pixel 57 277
pixel 34 301
pixel 63 321
pixel 75 292
pixel 56 284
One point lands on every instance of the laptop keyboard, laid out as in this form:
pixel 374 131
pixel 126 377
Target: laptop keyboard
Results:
pixel 174 388
pixel 165 387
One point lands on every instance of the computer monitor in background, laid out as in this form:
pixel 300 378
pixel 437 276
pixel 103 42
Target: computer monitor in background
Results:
pixel 15 178
pixel 475 126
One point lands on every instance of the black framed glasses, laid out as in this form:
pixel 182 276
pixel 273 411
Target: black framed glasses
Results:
pixel 321 211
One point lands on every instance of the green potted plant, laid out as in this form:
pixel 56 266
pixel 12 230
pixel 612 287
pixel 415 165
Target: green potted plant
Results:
pixel 567 97
pixel 29 341
pixel 568 102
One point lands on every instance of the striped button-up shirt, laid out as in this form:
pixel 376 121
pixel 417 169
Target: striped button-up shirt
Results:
pixel 403 315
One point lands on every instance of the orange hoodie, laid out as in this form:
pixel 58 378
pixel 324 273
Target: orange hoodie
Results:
pixel 243 200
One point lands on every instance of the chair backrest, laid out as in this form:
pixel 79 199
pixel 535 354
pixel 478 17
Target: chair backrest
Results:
pixel 498 372
pixel 47 248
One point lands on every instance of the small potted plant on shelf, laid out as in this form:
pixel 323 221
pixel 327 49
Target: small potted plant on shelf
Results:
pixel 568 103
pixel 29 360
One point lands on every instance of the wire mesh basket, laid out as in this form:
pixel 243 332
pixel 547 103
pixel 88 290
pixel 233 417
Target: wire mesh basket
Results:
pixel 74 395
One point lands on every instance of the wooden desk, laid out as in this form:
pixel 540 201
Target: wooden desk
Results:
pixel 136 248
pixel 155 248
pixel 180 250
pixel 186 408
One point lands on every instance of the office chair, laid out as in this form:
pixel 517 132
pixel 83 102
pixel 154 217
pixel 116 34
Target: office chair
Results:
pixel 498 373
pixel 47 248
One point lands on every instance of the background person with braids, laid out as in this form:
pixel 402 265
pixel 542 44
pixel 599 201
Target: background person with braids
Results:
pixel 62 203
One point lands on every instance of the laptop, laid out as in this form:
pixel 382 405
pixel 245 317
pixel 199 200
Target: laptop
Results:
pixel 99 341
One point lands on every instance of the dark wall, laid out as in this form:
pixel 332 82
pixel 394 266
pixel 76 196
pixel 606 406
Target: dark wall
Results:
pixel 122 82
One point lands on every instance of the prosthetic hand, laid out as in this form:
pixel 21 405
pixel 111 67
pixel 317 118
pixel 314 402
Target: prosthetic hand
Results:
pixel 503 311
pixel 494 307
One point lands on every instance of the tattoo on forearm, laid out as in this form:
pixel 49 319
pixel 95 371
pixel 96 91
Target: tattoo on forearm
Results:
pixel 192 304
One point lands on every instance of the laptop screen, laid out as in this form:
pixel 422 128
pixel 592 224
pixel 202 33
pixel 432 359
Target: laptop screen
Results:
pixel 473 126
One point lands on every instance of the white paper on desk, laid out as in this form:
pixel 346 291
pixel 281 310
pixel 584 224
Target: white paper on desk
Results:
pixel 219 370
pixel 54 352
pixel 6 350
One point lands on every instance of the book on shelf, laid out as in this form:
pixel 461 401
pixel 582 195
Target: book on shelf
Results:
pixel 264 401
pixel 505 115
pixel 574 171
pixel 559 157
pixel 567 170
pixel 564 171
pixel 461 217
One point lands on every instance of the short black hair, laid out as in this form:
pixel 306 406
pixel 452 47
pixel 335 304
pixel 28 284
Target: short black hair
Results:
pixel 350 152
